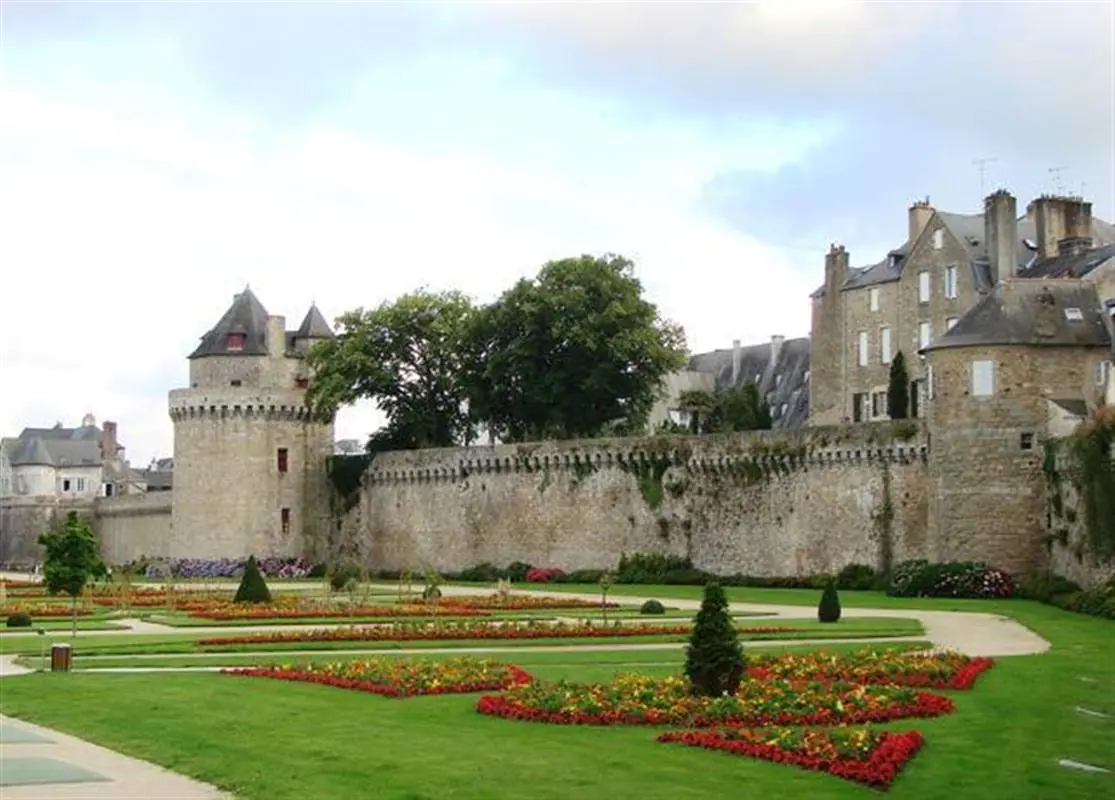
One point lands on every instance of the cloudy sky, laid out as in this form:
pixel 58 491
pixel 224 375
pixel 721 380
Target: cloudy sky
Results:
pixel 155 157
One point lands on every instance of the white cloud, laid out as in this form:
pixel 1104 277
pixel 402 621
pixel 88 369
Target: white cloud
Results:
pixel 128 230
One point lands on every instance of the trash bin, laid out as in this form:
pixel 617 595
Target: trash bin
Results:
pixel 61 657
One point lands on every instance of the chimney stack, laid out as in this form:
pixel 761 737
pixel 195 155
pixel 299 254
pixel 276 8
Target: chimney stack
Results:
pixel 1000 226
pixel 919 215
pixel 1058 218
pixel 836 269
pixel 737 357
pixel 775 349
pixel 108 440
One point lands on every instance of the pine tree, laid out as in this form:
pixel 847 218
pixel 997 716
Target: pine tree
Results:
pixel 253 588
pixel 898 389
pixel 714 660
pixel 829 608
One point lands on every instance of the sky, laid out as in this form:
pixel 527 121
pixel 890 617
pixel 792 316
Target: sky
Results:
pixel 157 157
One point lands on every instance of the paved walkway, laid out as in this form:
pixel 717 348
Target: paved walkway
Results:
pixel 37 763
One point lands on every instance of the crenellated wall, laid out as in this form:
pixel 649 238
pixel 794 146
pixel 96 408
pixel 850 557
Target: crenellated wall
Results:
pixel 761 503
pixel 132 526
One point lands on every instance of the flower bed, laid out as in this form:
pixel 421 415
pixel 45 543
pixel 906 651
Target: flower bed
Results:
pixel 640 700
pixel 946 670
pixel 858 754
pixel 520 602
pixel 40 610
pixel 392 677
pixel 450 631
pixel 231 611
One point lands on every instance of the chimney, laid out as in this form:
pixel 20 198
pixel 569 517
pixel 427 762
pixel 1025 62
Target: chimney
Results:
pixel 1058 218
pixel 775 349
pixel 836 269
pixel 737 357
pixel 920 213
pixel 1000 231
pixel 276 337
pixel 1074 245
pixel 108 440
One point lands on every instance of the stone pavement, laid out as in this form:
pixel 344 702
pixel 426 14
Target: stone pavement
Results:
pixel 37 763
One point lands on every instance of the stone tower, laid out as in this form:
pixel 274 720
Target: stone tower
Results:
pixel 249 462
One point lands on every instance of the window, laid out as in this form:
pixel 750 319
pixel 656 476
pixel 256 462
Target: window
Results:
pixel 859 407
pixel 950 322
pixel 283 461
pixel 65 484
pixel 873 299
pixel 1102 370
pixel 983 378
pixel 234 382
pixel 929 391
pixel 284 519
pixel 863 348
pixel 938 238
pixel 950 281
pixel 1026 441
pixel 884 349
pixel 923 287
pixel 1074 315
pixel 879 404
pixel 81 484
pixel 108 490
pixel 917 398
pixel 923 335
pixel 235 341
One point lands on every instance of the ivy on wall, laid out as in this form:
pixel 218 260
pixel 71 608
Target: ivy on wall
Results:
pixel 345 474
pixel 1091 447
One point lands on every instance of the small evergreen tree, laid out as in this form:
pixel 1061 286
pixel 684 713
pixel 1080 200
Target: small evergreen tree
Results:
pixel 898 388
pixel 714 660
pixel 72 557
pixel 829 608
pixel 253 588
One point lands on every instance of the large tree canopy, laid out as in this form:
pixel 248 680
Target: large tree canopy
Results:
pixel 572 353
pixel 409 356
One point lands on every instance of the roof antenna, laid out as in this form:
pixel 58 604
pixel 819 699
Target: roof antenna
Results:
pixel 1058 185
pixel 981 166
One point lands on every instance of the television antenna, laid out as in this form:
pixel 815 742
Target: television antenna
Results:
pixel 1055 173
pixel 981 165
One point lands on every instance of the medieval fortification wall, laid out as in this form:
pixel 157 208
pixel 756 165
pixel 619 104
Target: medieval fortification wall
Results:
pixel 761 503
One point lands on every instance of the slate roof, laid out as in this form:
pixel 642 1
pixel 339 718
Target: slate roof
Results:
pixel 157 480
pixel 1075 265
pixel 314 326
pixel 782 381
pixel 968 229
pixel 246 316
pixel 1031 312
pixel 1077 408
pixel 53 447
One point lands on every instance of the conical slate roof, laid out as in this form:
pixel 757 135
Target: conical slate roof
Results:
pixel 314 326
pixel 246 317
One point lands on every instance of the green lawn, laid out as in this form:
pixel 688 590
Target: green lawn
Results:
pixel 57 624
pixel 276 740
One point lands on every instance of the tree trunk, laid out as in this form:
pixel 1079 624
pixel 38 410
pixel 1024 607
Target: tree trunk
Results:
pixel 73 615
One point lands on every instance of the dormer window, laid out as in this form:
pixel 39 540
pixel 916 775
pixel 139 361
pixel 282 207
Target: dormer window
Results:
pixel 1074 315
pixel 235 342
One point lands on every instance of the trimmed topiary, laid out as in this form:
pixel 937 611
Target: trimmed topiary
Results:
pixel 829 608
pixel 20 619
pixel 714 660
pixel 652 607
pixel 253 588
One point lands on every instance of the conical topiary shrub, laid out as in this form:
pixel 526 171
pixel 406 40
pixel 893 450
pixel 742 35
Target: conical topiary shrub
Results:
pixel 714 660
pixel 253 588
pixel 829 608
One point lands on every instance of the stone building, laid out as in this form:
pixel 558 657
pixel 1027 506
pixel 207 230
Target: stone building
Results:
pixel 863 316
pixel 249 462
pixel 1024 365
pixel 780 370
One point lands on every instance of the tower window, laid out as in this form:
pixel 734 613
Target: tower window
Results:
pixel 282 459
pixel 1026 441
pixel 235 382
pixel 301 383
pixel 235 341
pixel 284 519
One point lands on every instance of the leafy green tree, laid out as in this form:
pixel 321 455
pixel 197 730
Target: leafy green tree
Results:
pixel 72 558
pixel 714 660
pixel 408 356
pixel 739 408
pixel 253 588
pixel 572 353
pixel 898 389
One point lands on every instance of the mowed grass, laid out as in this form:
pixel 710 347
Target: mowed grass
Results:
pixel 281 741
pixel 127 644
